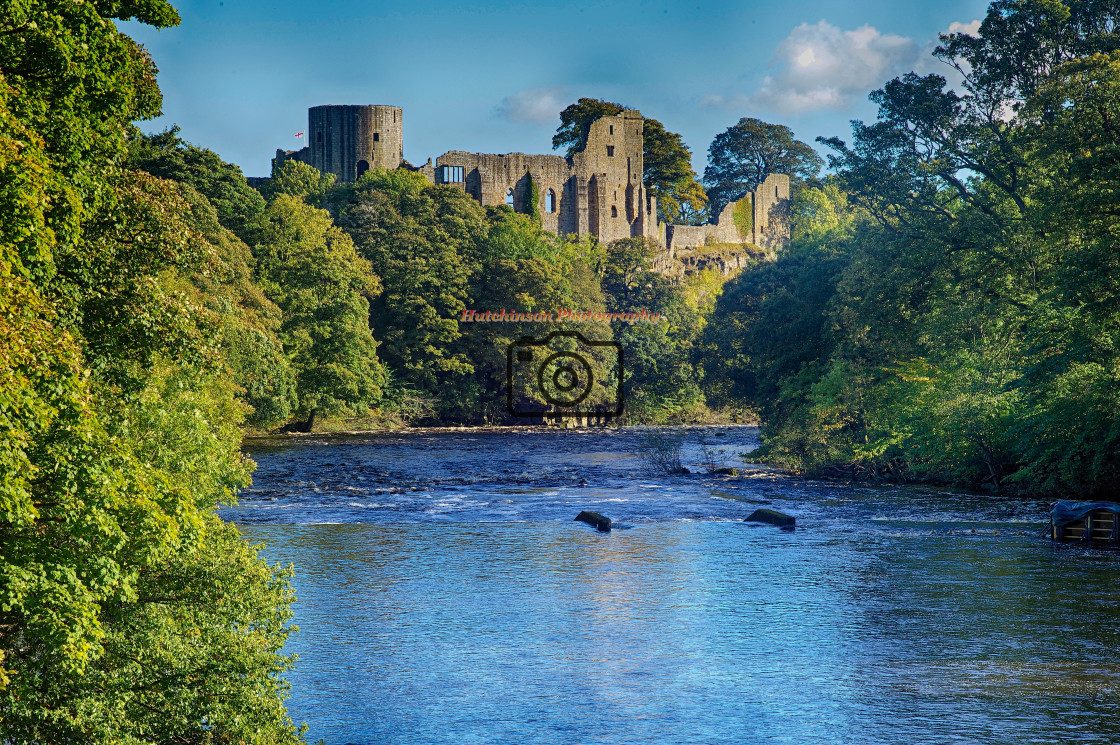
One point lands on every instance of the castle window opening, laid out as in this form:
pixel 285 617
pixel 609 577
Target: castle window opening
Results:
pixel 610 151
pixel 775 192
pixel 376 136
pixel 612 129
pixel 509 197
pixel 363 166
pixel 614 211
pixel 450 174
pixel 550 201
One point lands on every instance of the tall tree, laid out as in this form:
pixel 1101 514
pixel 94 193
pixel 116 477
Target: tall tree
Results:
pixel 128 612
pixel 416 236
pixel 311 270
pixel 964 330
pixel 741 157
pixel 167 155
pixel 297 179
pixel 667 161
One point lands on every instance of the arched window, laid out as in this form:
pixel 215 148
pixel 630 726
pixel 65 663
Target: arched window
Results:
pixel 509 197
pixel 550 201
pixel 614 211
pixel 363 166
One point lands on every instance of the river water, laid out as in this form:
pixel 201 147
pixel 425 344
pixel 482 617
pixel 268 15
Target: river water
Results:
pixel 447 596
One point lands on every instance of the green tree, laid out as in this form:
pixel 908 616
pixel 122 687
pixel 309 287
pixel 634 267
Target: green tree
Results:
pixel 520 268
pixel 249 321
pixel 118 420
pixel 667 163
pixel 297 179
pixel 947 310
pixel 661 380
pixel 166 155
pixel 311 270
pixel 415 236
pixel 741 157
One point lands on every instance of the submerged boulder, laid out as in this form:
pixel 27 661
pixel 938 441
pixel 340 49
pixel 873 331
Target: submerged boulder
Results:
pixel 595 519
pixel 773 517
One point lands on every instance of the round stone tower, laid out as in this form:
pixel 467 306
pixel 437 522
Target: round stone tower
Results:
pixel 349 140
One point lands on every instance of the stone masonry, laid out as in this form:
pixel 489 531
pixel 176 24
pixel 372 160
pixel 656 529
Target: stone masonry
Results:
pixel 598 191
pixel 769 225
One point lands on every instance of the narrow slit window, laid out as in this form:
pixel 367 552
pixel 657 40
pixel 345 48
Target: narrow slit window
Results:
pixel 612 129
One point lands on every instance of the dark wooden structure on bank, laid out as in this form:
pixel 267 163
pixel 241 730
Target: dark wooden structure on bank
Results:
pixel 1093 523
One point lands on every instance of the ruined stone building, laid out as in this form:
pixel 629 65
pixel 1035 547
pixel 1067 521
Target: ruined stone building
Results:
pixel 598 191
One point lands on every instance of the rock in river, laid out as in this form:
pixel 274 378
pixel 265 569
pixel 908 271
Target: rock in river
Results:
pixel 773 517
pixel 594 518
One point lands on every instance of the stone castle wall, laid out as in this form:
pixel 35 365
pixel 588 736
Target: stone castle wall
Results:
pixel 597 192
pixel 769 224
pixel 350 140
pixel 771 212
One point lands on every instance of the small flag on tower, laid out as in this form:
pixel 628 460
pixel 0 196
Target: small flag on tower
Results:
pixel 299 134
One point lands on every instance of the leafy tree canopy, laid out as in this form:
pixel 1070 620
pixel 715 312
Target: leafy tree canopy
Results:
pixel 741 157
pixel 166 155
pixel 322 285
pixel 298 179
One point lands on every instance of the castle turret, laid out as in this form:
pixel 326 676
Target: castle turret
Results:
pixel 349 140
pixel 611 161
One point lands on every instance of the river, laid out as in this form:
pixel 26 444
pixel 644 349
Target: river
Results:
pixel 447 596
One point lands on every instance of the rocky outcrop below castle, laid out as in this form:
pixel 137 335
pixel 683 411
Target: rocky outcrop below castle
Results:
pixel 727 258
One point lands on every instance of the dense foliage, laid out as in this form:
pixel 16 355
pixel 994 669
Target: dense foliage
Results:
pixel 742 156
pixel 128 612
pixel 949 310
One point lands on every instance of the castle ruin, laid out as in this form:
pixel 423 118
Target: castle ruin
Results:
pixel 597 191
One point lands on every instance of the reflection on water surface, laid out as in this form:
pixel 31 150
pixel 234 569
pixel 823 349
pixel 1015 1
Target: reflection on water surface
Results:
pixel 446 597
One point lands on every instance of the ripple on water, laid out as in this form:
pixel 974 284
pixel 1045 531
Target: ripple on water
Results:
pixel 446 596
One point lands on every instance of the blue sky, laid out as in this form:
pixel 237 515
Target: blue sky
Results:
pixel 238 76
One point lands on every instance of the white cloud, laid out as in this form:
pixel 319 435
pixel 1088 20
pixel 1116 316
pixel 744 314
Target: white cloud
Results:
pixel 821 66
pixel 972 28
pixel 534 105
pixel 824 67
